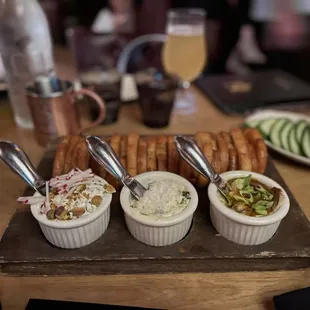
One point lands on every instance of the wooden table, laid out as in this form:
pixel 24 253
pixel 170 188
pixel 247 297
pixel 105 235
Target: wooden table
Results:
pixel 246 290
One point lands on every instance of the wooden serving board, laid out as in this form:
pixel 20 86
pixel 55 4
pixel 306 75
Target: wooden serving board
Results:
pixel 25 251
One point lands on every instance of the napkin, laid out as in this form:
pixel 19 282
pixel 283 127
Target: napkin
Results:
pixel 129 91
pixel 295 300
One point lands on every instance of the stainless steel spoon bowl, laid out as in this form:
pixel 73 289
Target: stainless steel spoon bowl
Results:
pixel 105 156
pixel 193 155
pixel 17 160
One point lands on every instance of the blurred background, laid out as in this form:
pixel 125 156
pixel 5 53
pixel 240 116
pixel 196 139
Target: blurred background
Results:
pixel 204 42
pixel 242 35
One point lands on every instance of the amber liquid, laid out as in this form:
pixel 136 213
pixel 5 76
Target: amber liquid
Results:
pixel 185 55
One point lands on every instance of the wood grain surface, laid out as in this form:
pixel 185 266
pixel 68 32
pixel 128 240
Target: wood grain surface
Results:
pixel 241 290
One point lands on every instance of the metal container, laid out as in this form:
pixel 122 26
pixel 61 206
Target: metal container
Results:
pixel 54 110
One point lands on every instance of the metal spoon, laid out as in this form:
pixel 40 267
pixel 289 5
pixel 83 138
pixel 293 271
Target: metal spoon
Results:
pixel 17 160
pixel 193 155
pixel 105 156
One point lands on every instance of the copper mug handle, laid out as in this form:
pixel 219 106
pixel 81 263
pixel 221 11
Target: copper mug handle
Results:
pixel 101 104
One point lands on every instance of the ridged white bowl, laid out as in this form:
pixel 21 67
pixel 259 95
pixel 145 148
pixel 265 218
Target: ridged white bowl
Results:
pixel 78 232
pixel 241 228
pixel 164 231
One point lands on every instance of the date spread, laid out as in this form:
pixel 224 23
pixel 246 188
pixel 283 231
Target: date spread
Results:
pixel 251 197
pixel 71 196
pixel 163 198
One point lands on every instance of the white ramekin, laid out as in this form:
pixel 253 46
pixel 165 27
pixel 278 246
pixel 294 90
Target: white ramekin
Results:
pixel 240 228
pixel 78 232
pixel 159 232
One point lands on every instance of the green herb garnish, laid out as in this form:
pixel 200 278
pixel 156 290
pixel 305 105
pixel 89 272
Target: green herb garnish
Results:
pixel 186 194
pixel 250 197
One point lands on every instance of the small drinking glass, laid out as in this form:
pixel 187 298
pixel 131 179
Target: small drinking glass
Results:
pixel 156 97
pixel 107 84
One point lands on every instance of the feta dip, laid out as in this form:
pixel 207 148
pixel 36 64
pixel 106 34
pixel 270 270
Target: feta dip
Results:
pixel 163 198
pixel 71 196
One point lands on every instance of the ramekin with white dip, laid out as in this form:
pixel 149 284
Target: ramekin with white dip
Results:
pixel 75 211
pixel 164 214
pixel 239 227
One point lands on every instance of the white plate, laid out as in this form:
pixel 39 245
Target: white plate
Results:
pixel 279 114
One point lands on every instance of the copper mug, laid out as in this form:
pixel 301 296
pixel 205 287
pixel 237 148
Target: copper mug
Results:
pixel 53 106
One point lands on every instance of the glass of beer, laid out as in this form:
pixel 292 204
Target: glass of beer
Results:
pixel 184 53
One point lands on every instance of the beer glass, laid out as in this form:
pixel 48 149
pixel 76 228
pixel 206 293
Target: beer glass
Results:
pixel 184 53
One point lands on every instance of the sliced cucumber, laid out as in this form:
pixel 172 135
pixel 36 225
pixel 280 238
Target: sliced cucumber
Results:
pixel 294 145
pixel 275 132
pixel 301 126
pixel 265 127
pixel 305 141
pixel 252 124
pixel 284 134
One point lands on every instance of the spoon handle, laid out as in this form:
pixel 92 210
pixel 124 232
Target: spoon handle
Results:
pixel 105 156
pixel 16 159
pixel 193 155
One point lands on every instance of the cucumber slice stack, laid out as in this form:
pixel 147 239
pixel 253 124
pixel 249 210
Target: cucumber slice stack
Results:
pixel 276 131
pixel 305 141
pixel 265 127
pixel 294 144
pixel 285 133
